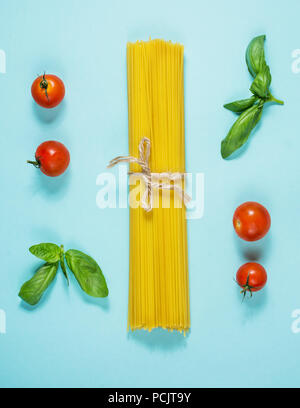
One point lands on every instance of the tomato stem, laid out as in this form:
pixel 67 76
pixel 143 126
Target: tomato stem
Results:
pixel 44 84
pixel 36 163
pixel 246 288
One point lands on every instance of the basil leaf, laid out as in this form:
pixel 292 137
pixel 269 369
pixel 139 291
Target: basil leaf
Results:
pixel 241 129
pixel 32 290
pixel 62 263
pixel 260 106
pixel 255 55
pixel 46 251
pixel 241 105
pixel 87 272
pixel 260 85
pixel 63 267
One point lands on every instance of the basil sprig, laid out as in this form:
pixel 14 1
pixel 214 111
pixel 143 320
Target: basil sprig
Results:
pixel 85 269
pixel 250 109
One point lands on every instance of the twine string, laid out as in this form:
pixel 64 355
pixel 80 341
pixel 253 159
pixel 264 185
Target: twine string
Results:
pixel 147 176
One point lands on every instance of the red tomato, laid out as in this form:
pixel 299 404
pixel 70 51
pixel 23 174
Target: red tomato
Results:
pixel 251 277
pixel 52 158
pixel 251 221
pixel 48 91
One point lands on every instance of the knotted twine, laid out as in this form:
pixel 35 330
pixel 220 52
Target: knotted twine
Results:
pixel 146 175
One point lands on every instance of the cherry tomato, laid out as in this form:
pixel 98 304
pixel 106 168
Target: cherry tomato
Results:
pixel 52 158
pixel 251 277
pixel 251 221
pixel 48 91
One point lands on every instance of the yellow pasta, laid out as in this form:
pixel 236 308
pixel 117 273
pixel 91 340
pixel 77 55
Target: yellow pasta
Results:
pixel 158 281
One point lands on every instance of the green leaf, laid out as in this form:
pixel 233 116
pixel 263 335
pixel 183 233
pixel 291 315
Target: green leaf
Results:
pixel 241 105
pixel 260 85
pixel 255 55
pixel 241 129
pixel 32 290
pixel 46 251
pixel 87 272
pixel 62 263
pixel 63 267
pixel 260 109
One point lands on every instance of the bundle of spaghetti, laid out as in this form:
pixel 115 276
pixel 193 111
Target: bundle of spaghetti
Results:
pixel 158 281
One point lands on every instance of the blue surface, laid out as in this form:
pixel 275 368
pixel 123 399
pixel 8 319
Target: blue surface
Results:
pixel 72 340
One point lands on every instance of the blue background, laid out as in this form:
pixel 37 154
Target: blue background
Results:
pixel 72 340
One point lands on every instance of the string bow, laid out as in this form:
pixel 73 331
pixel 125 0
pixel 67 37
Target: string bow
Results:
pixel 147 176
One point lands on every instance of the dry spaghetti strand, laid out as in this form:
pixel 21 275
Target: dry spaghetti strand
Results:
pixel 158 287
